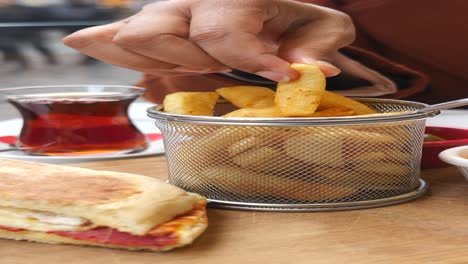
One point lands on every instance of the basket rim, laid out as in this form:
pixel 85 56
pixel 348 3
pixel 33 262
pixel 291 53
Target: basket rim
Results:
pixel 419 191
pixel 156 112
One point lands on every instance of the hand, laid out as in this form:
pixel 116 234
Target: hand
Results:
pixel 180 37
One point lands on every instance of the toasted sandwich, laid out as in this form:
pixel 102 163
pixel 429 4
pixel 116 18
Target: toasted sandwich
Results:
pixel 61 204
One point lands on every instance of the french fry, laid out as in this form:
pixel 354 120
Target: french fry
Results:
pixel 332 148
pixel 191 103
pixel 248 96
pixel 273 139
pixel 244 145
pixel 383 168
pixel 396 157
pixel 360 178
pixel 275 112
pixel 225 137
pixel 244 182
pixel 263 159
pixel 333 100
pixel 212 148
pixel 315 148
pixel 302 96
pixel 255 112
pixel 337 111
pixel 357 137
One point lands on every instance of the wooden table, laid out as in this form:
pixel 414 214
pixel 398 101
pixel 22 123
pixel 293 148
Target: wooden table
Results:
pixel 432 229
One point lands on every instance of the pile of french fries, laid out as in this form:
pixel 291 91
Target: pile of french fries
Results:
pixel 304 97
pixel 261 159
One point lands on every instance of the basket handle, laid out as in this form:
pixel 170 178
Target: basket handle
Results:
pixel 443 106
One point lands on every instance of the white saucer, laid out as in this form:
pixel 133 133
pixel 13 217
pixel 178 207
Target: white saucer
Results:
pixel 155 147
pixel 137 113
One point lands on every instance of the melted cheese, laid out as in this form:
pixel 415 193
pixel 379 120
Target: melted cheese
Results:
pixel 40 220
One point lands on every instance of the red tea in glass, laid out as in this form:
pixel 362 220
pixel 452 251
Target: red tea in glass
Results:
pixel 78 122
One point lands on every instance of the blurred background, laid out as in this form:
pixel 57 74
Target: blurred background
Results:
pixel 31 49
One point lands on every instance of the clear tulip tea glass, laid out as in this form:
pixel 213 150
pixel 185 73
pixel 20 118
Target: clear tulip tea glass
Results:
pixel 76 120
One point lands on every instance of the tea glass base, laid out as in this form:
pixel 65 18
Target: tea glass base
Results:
pixel 87 152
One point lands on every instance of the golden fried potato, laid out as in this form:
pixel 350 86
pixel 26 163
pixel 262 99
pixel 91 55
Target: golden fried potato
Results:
pixel 248 96
pixel 333 100
pixel 211 148
pixel 225 137
pixel 191 103
pixel 334 148
pixel 316 148
pixel 358 137
pixel 396 157
pixel 337 111
pixel 302 96
pixel 255 112
pixel 384 168
pixel 362 178
pixel 274 112
pixel 243 145
pixel 244 182
pixel 273 139
pixel 263 159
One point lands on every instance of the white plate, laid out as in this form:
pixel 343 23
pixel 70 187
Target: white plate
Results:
pixel 450 118
pixel 155 147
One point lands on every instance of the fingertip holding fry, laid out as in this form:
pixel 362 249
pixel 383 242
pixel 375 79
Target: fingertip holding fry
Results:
pixel 328 69
pixel 274 76
pixel 304 97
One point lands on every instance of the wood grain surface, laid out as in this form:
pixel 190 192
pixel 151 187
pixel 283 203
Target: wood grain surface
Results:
pixel 432 229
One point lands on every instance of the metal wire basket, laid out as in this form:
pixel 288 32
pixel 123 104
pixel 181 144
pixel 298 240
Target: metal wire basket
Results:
pixel 299 164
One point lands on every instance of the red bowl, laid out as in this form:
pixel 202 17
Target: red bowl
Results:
pixel 454 137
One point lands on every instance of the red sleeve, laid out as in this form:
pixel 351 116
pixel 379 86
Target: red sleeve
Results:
pixel 426 36
pixel 367 50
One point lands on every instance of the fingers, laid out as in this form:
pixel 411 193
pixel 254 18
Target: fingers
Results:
pixel 317 40
pixel 190 36
pixel 132 44
pixel 230 35
pixel 160 32
pixel 97 42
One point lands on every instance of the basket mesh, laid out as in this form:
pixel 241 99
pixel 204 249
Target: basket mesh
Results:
pixel 295 164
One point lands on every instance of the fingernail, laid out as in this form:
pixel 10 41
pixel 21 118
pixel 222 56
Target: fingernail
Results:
pixel 191 69
pixel 275 76
pixel 75 43
pixel 330 69
pixel 327 68
pixel 225 70
pixel 201 70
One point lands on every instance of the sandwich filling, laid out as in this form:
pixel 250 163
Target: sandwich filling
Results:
pixel 171 233
pixel 36 220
